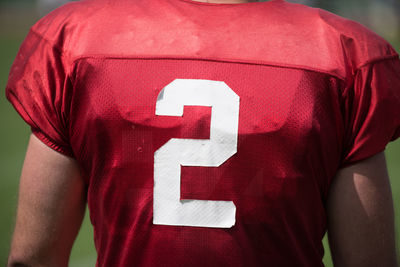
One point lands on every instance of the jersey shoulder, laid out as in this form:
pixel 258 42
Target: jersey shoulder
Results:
pixel 279 33
pixel 362 43
pixel 73 21
pixel 65 18
pixel 349 39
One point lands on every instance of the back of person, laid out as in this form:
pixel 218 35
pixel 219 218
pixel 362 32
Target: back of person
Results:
pixel 209 134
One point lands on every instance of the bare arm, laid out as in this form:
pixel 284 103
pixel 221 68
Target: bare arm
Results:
pixel 51 206
pixel 360 216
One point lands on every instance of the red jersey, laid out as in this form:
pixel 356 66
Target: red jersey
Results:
pixel 208 133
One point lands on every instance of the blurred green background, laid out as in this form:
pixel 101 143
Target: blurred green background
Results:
pixel 16 16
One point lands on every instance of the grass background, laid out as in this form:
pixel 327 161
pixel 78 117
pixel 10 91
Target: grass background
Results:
pixel 14 133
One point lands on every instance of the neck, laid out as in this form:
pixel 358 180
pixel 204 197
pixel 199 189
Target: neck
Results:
pixel 226 1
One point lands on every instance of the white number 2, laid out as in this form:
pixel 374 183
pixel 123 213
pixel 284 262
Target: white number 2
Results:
pixel 168 208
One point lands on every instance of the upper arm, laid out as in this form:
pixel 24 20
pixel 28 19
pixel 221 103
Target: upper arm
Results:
pixel 51 205
pixel 360 215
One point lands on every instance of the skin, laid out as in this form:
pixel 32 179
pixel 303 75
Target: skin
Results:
pixel 52 200
pixel 361 217
pixel 51 205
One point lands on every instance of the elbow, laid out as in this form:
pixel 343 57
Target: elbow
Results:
pixel 35 260
pixel 18 263
pixel 23 260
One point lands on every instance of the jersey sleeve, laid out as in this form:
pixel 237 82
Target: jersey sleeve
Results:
pixel 37 88
pixel 371 110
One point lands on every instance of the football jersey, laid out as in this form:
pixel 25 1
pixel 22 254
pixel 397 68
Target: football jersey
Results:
pixel 208 134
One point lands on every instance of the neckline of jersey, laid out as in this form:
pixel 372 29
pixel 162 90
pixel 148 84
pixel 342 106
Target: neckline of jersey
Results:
pixel 194 2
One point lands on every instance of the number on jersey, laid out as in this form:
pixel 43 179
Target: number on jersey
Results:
pixel 168 208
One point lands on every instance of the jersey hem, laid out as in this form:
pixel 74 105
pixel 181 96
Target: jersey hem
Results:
pixel 13 99
pixel 353 160
pixel 51 144
pixel 356 160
